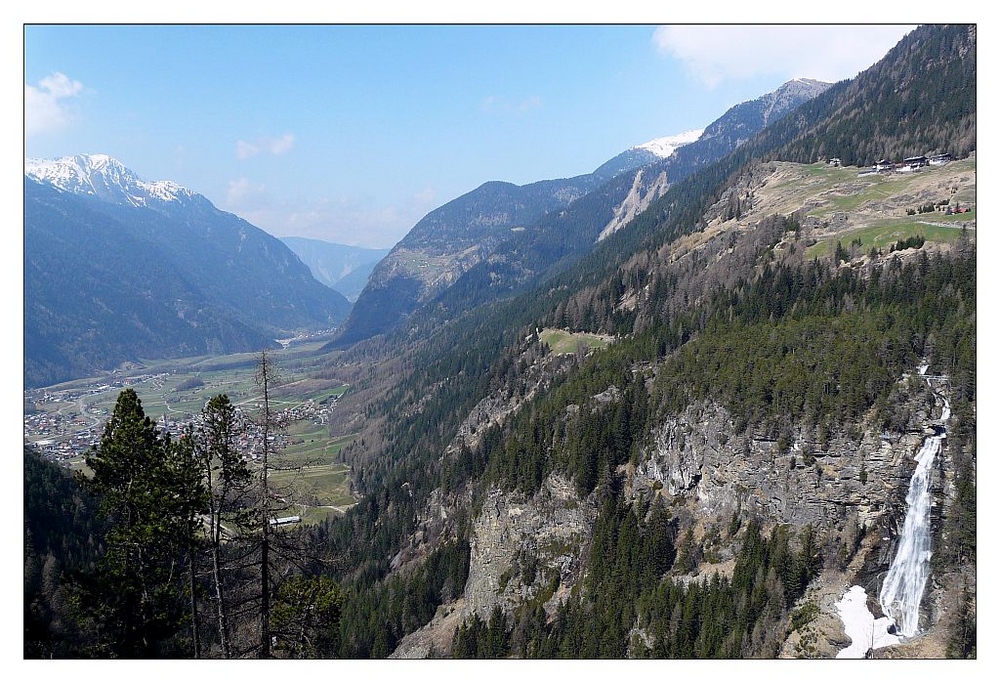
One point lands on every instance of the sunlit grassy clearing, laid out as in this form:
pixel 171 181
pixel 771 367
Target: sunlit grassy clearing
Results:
pixel 561 341
pixel 309 443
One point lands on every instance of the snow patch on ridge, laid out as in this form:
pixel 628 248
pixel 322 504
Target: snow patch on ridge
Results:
pixel 665 146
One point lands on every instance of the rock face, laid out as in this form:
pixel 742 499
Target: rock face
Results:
pixel 646 188
pixel 524 550
pixel 694 455
pixel 854 487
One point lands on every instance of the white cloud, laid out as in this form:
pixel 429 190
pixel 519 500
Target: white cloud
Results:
pixel 244 196
pixel 717 53
pixel 275 146
pixel 45 106
pixel 244 150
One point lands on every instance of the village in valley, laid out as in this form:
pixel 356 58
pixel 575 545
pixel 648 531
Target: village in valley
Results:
pixel 64 421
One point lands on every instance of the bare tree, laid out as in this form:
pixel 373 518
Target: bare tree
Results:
pixel 227 477
pixel 265 379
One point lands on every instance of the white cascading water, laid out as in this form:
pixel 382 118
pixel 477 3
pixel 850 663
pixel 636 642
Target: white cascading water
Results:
pixel 904 583
pixel 903 587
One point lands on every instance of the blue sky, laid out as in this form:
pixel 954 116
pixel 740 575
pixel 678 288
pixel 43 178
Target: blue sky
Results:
pixel 352 133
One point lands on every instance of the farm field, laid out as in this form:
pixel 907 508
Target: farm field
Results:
pixel 884 234
pixel 306 474
pixel 872 210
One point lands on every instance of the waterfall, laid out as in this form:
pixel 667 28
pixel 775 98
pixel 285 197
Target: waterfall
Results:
pixel 904 583
pixel 903 587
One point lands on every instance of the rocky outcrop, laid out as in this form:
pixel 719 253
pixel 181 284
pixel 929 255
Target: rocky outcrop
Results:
pixel 527 549
pixel 646 188
pixel 532 550
pixel 435 638
pixel 522 550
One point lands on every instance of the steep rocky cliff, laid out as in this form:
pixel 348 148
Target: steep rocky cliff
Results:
pixel 810 482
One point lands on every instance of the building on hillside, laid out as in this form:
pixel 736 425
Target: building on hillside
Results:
pixel 280 521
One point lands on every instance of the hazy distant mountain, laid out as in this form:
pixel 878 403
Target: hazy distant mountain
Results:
pixel 117 268
pixel 338 266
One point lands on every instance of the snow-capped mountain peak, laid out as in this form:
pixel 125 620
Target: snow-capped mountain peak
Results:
pixel 103 177
pixel 664 147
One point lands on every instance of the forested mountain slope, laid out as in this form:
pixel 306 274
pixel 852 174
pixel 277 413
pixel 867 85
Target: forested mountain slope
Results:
pixel 502 238
pixel 921 100
pixel 789 377
pixel 741 124
pixel 446 242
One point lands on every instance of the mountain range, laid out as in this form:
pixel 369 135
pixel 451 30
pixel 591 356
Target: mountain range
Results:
pixel 489 242
pixel 500 237
pixel 117 268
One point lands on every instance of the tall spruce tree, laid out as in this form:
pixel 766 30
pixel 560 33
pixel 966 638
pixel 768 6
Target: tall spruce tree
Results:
pixel 134 602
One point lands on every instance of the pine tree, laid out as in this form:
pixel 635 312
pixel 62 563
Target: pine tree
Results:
pixel 305 619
